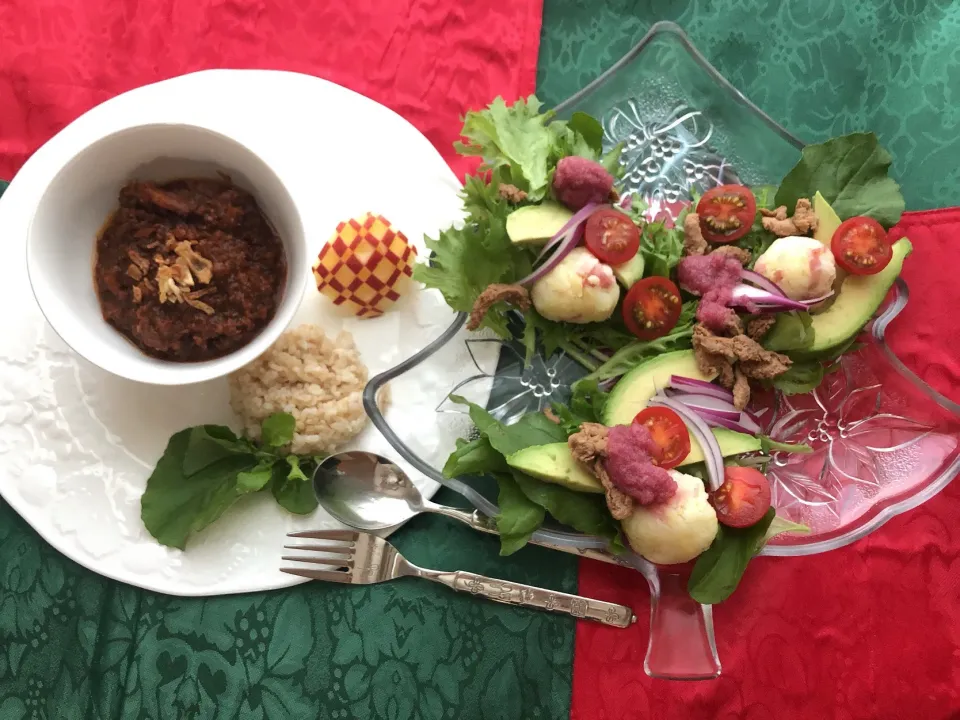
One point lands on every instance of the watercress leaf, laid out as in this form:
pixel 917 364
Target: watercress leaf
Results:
pixel 589 129
pixel 207 444
pixel 585 512
pixel 792 331
pixel 631 355
pixel 781 525
pixel 801 377
pixel 476 457
pixel 851 173
pixel 661 247
pixel 519 517
pixel 769 445
pixel 295 472
pixel 569 421
pixel 719 569
pixel 611 163
pixel 175 505
pixel 292 494
pixel 765 195
pixel 277 430
pixel 588 401
pixel 529 339
pixel 256 478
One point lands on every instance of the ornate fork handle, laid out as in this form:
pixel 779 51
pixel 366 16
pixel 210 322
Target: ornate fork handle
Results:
pixel 519 594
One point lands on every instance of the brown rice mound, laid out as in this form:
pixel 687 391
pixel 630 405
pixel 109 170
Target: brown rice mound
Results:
pixel 317 380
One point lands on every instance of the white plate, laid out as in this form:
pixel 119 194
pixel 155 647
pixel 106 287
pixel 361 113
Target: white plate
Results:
pixel 77 444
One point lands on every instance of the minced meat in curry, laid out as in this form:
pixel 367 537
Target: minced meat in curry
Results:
pixel 190 269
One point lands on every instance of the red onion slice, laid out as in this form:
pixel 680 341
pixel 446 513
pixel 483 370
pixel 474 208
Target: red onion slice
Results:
pixel 571 224
pixel 627 202
pixel 766 300
pixel 568 244
pixel 708 404
pixel 818 300
pixel 761 282
pixel 731 418
pixel 713 458
pixel 701 387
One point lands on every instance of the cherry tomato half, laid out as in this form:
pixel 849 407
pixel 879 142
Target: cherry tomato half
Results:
pixel 726 213
pixel 861 247
pixel 743 498
pixel 668 432
pixel 652 307
pixel 612 236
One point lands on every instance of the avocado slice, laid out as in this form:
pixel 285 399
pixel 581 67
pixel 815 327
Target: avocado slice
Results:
pixel 630 272
pixel 535 224
pixel 828 219
pixel 633 392
pixel 730 442
pixel 554 463
pixel 856 303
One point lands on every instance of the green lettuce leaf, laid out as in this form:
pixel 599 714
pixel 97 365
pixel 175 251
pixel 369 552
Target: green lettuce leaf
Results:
pixel 719 569
pixel 513 139
pixel 531 429
pixel 851 173
pixel 769 445
pixel 782 525
pixel 584 512
pixel 466 260
pixel 801 377
pixel 519 517
pixel 476 457
pixel 792 331
pixel 589 128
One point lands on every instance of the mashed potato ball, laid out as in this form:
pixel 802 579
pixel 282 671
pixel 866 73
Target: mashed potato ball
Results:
pixel 803 267
pixel 675 531
pixel 580 289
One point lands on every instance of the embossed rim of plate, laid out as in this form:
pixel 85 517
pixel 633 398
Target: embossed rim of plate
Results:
pixel 414 141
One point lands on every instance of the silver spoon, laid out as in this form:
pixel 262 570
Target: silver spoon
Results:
pixel 369 492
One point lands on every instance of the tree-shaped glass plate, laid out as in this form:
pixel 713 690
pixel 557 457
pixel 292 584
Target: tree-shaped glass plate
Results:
pixel 883 440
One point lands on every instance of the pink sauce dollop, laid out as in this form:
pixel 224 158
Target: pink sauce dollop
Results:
pixel 713 277
pixel 629 452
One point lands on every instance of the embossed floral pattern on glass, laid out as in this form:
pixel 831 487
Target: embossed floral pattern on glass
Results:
pixel 881 444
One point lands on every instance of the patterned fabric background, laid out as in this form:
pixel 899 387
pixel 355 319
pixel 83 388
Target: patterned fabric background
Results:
pixel 75 646
pixel 820 68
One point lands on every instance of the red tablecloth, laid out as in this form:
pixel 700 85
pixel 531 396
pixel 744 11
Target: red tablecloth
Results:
pixel 428 60
pixel 871 631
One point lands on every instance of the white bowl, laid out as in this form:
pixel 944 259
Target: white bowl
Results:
pixel 74 207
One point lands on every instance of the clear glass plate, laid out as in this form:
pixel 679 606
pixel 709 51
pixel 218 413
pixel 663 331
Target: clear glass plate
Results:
pixel 883 440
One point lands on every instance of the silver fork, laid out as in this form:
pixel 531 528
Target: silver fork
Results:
pixel 360 558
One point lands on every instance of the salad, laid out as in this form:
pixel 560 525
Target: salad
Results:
pixel 676 325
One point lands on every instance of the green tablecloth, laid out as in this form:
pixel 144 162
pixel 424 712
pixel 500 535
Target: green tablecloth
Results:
pixel 75 646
